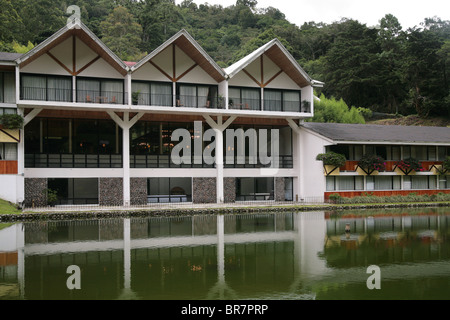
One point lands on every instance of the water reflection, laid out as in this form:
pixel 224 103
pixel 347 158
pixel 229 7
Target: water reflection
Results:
pixel 250 256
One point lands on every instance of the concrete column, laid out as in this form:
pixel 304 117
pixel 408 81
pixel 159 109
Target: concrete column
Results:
pixel 126 125
pixel 126 159
pixel 218 128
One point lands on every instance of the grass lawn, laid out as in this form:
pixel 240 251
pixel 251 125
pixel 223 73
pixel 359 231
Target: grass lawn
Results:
pixel 8 208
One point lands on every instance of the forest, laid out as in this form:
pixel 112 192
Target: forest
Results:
pixel 382 68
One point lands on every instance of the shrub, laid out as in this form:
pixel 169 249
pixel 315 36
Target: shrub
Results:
pixel 371 162
pixel 408 165
pixel 332 158
pixel 446 163
pixel 11 121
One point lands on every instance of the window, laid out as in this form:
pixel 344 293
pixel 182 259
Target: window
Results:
pixel 75 191
pixel 92 90
pixel 248 189
pixel 7 87
pixel 152 93
pixel 244 98
pixel 169 190
pixel 197 96
pixel 46 88
pixel 282 100
pixel 8 151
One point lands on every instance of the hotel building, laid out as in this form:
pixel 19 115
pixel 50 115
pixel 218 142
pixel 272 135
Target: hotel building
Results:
pixel 99 130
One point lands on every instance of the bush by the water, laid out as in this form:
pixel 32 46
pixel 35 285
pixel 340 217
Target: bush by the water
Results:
pixel 369 198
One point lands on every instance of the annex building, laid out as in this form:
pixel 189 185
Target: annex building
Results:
pixel 99 130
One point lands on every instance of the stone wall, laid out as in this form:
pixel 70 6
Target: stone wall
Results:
pixel 279 189
pixel 35 195
pixel 110 192
pixel 138 191
pixel 229 190
pixel 204 190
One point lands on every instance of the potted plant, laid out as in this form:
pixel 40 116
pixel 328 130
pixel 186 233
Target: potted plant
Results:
pixel 331 161
pixel 135 97
pixel 371 163
pixel 52 197
pixel 409 165
pixel 11 121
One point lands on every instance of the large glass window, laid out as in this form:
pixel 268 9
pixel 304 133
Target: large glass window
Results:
pixel 282 100
pixel 75 191
pixel 248 189
pixel 8 151
pixel 46 87
pixel 7 87
pixel 169 190
pixel 152 93
pixel 197 96
pixel 93 90
pixel 244 98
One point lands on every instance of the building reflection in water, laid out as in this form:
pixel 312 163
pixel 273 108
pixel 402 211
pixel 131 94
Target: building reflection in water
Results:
pixel 249 256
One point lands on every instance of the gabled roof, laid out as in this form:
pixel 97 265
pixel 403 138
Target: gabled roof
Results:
pixel 342 132
pixel 275 50
pixel 187 43
pixel 75 28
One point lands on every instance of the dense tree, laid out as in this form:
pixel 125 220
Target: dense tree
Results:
pixel 122 34
pixel 386 69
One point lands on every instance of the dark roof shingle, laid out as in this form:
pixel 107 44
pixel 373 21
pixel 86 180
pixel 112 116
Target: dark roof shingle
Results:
pixel 380 133
pixel 9 56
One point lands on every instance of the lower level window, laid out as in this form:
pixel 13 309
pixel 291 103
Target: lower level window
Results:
pixel 169 190
pixel 248 189
pixel 8 151
pixel 75 191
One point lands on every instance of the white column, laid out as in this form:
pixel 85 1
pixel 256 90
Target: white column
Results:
pixel 218 128
pixel 129 89
pixel 126 125
pixel 219 165
pixel 126 159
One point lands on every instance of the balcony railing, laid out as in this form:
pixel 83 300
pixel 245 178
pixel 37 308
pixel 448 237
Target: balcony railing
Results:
pixel 107 97
pixel 244 104
pixel 284 162
pixel 66 95
pixel 48 160
pixel 198 102
pixel 46 94
pixel 286 106
pixel 161 161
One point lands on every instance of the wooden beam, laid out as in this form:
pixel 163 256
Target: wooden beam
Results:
pixel 252 77
pixel 186 72
pixel 273 78
pixel 162 71
pixel 87 65
pixel 60 63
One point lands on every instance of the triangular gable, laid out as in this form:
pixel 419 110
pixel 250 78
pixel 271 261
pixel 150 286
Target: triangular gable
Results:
pixel 278 54
pixel 193 50
pixel 74 30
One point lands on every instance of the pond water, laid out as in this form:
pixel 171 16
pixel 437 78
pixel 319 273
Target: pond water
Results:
pixel 278 256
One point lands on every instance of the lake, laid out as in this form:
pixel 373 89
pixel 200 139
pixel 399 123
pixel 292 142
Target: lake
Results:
pixel 277 256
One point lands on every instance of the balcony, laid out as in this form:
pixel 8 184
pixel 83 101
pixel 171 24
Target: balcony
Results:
pixel 48 160
pixel 66 95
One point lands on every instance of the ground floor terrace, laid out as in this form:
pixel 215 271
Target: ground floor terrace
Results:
pixel 116 159
pixel 109 158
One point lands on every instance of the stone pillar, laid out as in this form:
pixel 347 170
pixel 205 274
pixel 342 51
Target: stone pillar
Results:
pixel 138 191
pixel 204 190
pixel 279 189
pixel 35 192
pixel 110 192
pixel 229 190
